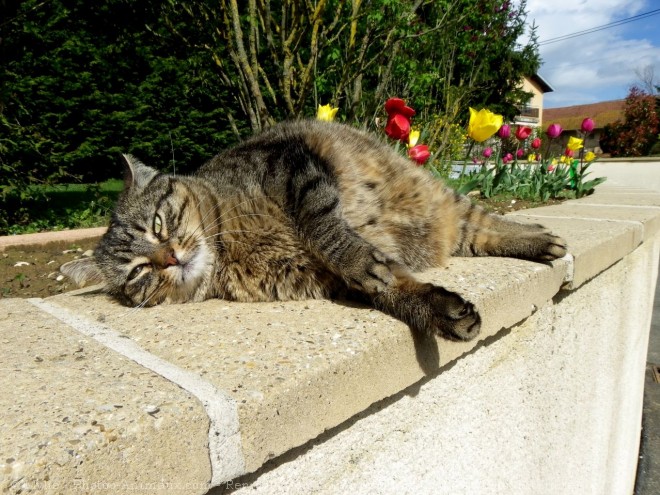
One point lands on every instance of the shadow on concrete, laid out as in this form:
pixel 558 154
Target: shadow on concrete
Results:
pixel 648 468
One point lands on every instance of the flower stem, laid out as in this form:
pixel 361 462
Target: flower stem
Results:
pixel 469 152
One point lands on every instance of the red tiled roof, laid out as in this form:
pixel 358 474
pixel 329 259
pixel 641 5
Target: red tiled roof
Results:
pixel 570 118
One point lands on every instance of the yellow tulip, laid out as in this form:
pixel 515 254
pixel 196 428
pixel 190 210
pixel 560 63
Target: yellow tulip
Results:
pixel 531 158
pixel 574 143
pixel 590 156
pixel 326 113
pixel 483 124
pixel 413 137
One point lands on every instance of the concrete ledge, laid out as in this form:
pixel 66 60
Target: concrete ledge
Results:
pixel 49 237
pixel 269 377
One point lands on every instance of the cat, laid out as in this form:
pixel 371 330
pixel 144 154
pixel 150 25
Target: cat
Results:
pixel 306 209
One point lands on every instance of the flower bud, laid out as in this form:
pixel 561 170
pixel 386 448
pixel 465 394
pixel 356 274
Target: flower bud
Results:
pixel 505 131
pixel 553 131
pixel 587 125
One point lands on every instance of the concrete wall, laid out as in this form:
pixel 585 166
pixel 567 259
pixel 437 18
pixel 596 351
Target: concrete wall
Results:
pixel 328 397
pixel 553 406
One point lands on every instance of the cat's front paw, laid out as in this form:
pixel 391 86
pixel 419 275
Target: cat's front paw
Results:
pixel 550 247
pixel 369 272
pixel 453 317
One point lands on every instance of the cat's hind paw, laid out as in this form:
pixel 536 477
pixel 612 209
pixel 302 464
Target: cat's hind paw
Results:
pixel 452 317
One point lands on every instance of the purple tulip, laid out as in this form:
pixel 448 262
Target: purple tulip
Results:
pixel 488 152
pixel 505 131
pixel 553 131
pixel 588 125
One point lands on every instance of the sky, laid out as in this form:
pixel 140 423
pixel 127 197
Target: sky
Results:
pixel 599 66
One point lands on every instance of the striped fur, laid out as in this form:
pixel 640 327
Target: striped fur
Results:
pixel 305 210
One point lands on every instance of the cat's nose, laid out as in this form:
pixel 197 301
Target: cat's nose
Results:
pixel 170 259
pixel 165 258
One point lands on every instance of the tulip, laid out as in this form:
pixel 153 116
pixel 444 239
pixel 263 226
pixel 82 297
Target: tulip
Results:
pixel 413 137
pixel 531 157
pixel 587 125
pixel 483 124
pixel 520 153
pixel 568 153
pixel 553 131
pixel 536 143
pixel 398 127
pixel 488 152
pixel 551 167
pixel 505 131
pixel 395 106
pixel 523 132
pixel 590 156
pixel 507 158
pixel 419 153
pixel 574 143
pixel 398 119
pixel 326 113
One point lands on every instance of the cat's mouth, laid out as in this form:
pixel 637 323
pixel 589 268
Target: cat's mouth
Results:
pixel 191 268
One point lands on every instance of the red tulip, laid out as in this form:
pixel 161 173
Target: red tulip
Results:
pixel 419 153
pixel 523 132
pixel 553 131
pixel 398 119
pixel 505 131
pixel 569 153
pixel 588 125
pixel 395 106
pixel 398 127
pixel 536 143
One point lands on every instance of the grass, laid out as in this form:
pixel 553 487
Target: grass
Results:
pixel 59 207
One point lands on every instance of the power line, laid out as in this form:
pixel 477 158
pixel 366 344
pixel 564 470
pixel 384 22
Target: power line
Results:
pixel 600 28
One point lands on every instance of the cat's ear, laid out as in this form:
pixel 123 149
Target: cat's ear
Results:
pixel 83 272
pixel 136 173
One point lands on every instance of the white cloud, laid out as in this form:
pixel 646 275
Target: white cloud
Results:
pixel 597 66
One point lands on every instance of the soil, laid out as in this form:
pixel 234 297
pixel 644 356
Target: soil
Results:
pixel 32 271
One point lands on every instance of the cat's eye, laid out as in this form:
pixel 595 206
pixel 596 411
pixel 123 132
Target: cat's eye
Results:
pixel 158 224
pixel 135 272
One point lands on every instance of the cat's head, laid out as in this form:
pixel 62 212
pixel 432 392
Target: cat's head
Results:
pixel 156 248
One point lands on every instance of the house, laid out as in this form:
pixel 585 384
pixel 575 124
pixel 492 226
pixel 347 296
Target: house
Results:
pixel 531 114
pixel 570 118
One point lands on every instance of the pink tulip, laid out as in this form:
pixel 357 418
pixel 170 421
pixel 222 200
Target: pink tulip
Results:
pixel 520 153
pixel 488 152
pixel 553 131
pixel 587 125
pixel 536 143
pixel 505 131
pixel 507 158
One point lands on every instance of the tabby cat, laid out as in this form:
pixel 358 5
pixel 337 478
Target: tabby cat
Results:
pixel 306 209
